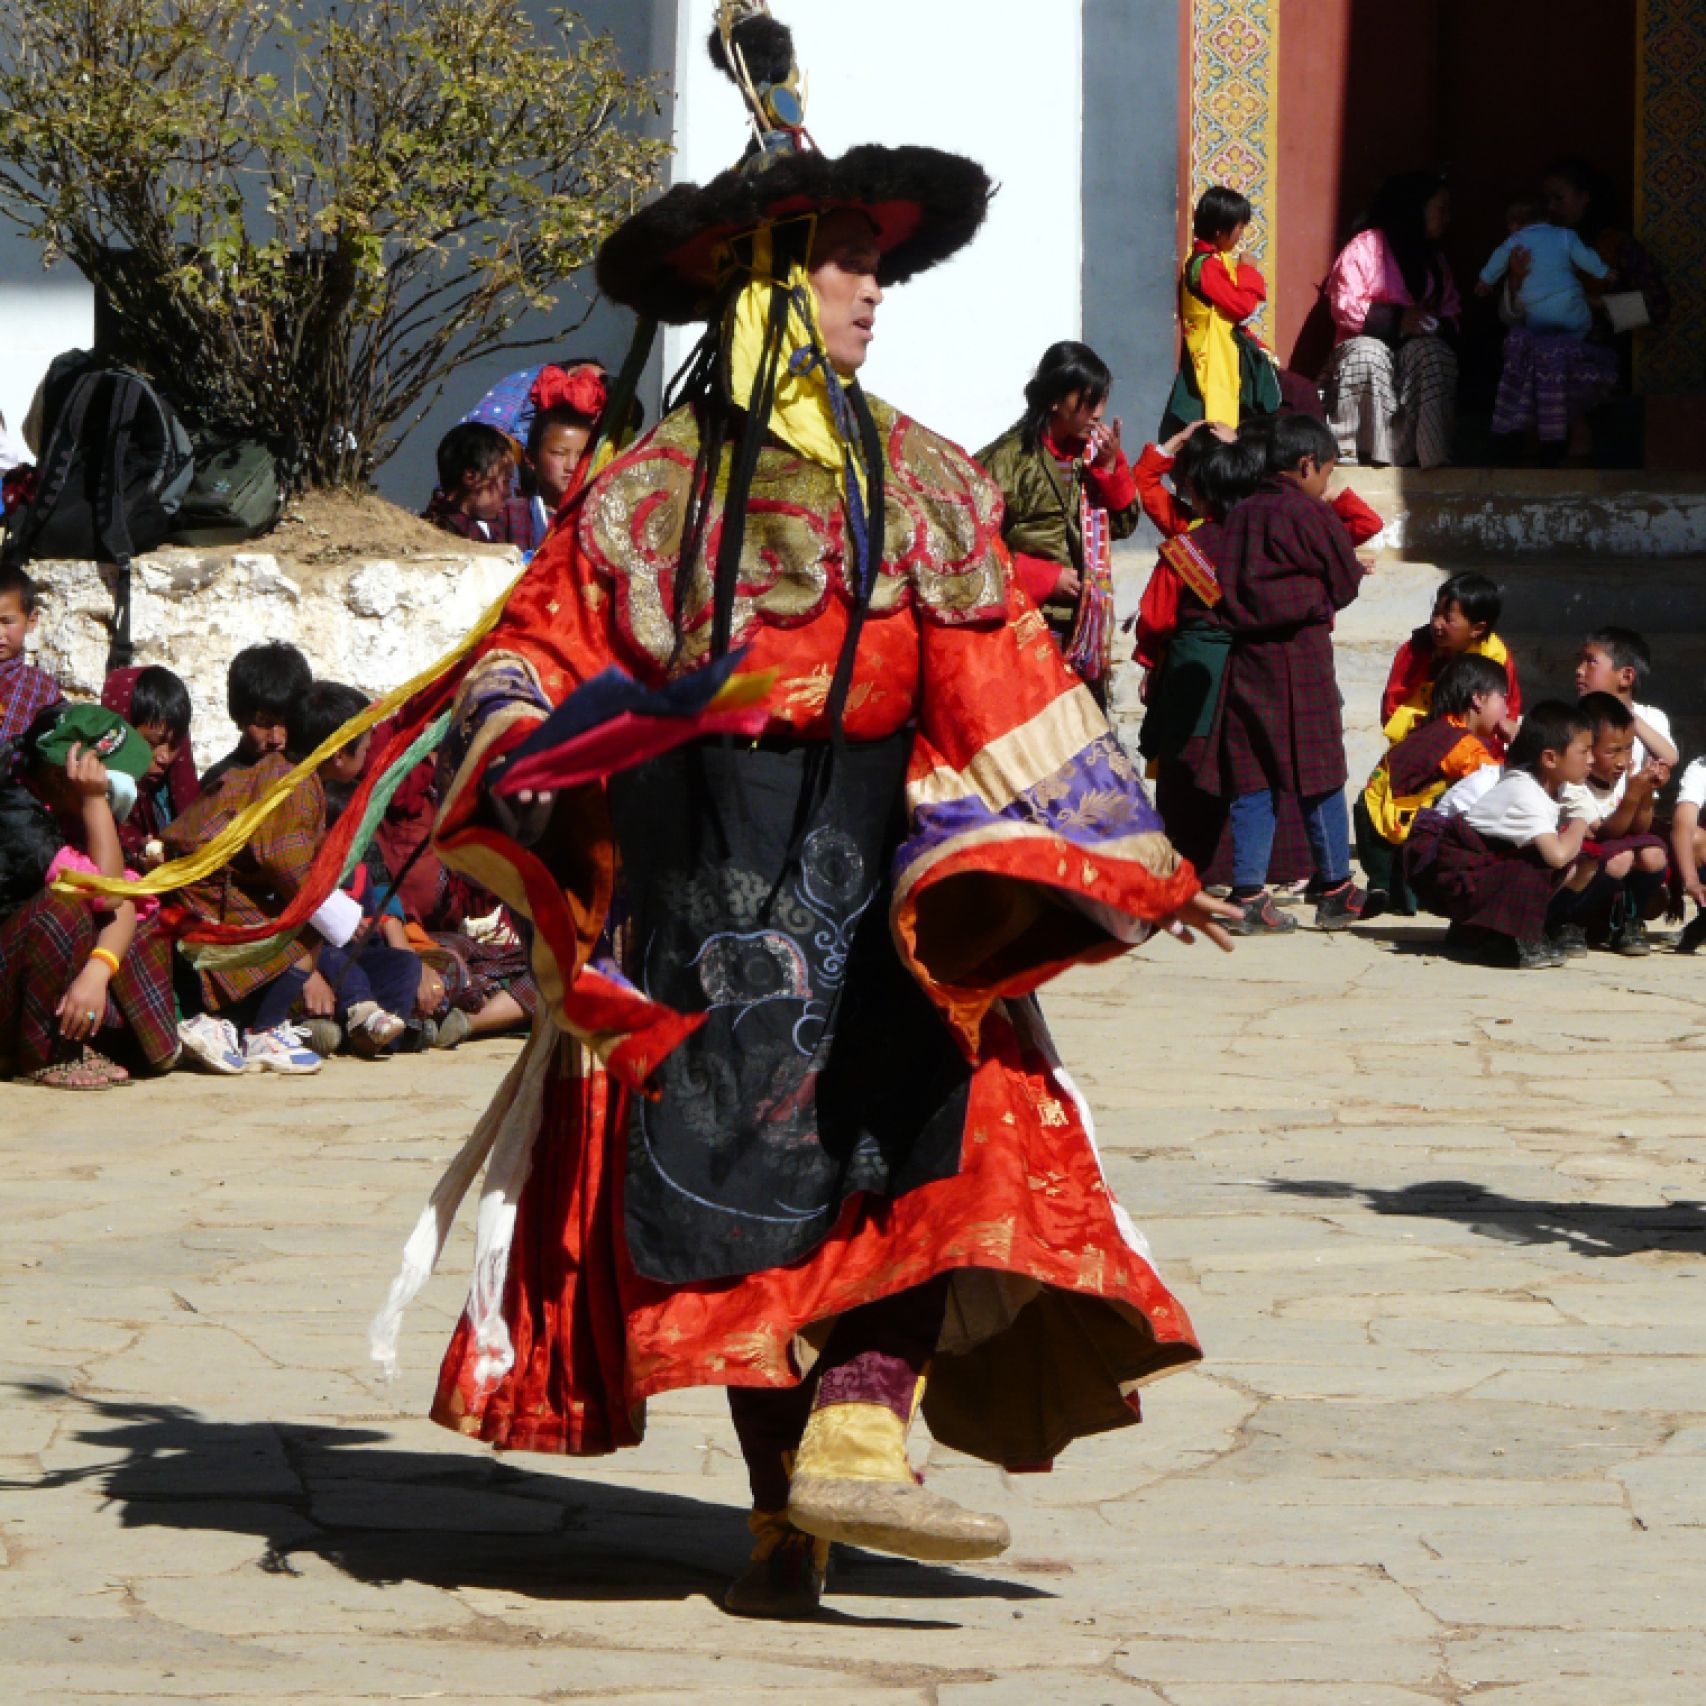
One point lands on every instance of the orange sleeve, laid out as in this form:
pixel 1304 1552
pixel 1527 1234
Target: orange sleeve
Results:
pixel 1467 756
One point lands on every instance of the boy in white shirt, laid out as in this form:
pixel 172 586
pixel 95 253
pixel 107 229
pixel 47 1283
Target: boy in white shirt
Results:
pixel 1618 661
pixel 1619 883
pixel 1494 868
pixel 1688 848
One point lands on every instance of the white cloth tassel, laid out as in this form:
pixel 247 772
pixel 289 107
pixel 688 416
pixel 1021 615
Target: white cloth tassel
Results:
pixel 514 1115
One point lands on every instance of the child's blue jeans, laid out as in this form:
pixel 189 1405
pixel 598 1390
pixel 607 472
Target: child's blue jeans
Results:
pixel 1326 821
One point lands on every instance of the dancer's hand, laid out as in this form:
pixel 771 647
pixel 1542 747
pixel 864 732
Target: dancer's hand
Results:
pixel 523 815
pixel 1203 912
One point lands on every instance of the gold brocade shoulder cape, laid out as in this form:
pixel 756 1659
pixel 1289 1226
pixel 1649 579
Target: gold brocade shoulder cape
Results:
pixel 942 526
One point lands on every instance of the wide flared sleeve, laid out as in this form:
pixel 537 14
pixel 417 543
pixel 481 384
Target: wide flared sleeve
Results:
pixel 555 636
pixel 1032 843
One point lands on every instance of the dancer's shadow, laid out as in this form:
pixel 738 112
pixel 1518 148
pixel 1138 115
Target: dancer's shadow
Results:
pixel 444 1519
pixel 1587 1229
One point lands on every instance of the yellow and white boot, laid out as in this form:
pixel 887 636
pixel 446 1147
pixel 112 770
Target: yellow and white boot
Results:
pixel 852 1482
pixel 786 1574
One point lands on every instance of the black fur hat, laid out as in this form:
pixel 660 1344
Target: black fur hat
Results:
pixel 924 203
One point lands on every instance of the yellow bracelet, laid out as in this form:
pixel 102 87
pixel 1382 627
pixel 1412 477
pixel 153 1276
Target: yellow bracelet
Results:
pixel 107 958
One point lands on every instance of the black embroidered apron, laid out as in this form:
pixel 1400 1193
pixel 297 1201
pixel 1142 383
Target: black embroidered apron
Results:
pixel 757 882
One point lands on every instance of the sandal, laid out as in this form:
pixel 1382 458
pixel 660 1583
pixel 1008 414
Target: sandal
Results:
pixel 79 1074
pixel 115 1075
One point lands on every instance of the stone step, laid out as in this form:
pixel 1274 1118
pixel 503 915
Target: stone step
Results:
pixel 1452 514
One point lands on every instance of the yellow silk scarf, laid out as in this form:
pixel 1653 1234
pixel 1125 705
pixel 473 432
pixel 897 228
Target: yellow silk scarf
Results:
pixel 802 416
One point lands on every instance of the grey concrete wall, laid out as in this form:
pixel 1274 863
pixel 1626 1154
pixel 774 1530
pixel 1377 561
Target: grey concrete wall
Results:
pixel 1131 176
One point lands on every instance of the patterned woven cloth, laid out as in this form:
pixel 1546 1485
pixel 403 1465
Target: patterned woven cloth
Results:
pixel 43 945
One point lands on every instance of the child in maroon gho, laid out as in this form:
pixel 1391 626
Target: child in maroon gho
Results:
pixel 1286 570
pixel 1495 869
pixel 1180 511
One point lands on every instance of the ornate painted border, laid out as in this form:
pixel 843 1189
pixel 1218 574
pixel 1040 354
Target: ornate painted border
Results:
pixel 1234 67
pixel 1670 186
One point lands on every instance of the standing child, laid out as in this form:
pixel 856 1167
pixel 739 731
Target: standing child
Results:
pixel 1550 296
pixel 1466 609
pixel 25 691
pixel 1286 570
pixel 1493 869
pixel 1225 372
pixel 1179 511
pixel 1620 881
pixel 261 684
pixel 476 486
pixel 1469 707
pixel 1618 661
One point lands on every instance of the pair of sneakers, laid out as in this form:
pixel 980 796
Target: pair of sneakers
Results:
pixel 1336 908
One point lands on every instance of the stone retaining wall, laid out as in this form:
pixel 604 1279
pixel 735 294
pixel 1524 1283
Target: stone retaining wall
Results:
pixel 370 622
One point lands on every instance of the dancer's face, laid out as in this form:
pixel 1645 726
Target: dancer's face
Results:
pixel 844 265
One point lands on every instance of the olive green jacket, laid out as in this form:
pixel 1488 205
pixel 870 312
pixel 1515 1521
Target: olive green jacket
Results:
pixel 1042 504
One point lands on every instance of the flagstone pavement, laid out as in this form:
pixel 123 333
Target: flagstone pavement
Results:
pixel 1440 1229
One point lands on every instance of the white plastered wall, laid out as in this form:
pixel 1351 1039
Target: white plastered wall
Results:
pixel 998 80
pixel 41 314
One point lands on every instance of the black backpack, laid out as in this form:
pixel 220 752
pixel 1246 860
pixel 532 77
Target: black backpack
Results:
pixel 114 466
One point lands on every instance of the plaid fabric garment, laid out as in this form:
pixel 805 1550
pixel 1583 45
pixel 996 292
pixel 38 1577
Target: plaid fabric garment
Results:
pixel 1393 406
pixel 1286 567
pixel 1476 881
pixel 257 885
pixel 1550 381
pixel 25 692
pixel 474 972
pixel 43 945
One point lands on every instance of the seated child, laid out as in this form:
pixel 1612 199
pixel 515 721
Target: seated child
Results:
pixel 1619 882
pixel 25 691
pixel 1468 707
pixel 261 684
pixel 476 483
pixel 1466 608
pixel 1493 869
pixel 262 1000
pixel 1551 297
pixel 379 978
pixel 1688 850
pixel 156 704
pixel 1617 661
pixel 569 402
pixel 83 979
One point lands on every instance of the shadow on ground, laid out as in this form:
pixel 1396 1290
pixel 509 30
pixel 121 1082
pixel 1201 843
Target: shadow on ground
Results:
pixel 443 1519
pixel 1588 1229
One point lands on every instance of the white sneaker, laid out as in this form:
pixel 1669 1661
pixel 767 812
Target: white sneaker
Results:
pixel 212 1043
pixel 279 1050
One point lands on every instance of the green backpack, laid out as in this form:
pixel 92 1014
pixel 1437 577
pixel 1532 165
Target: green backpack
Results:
pixel 236 494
